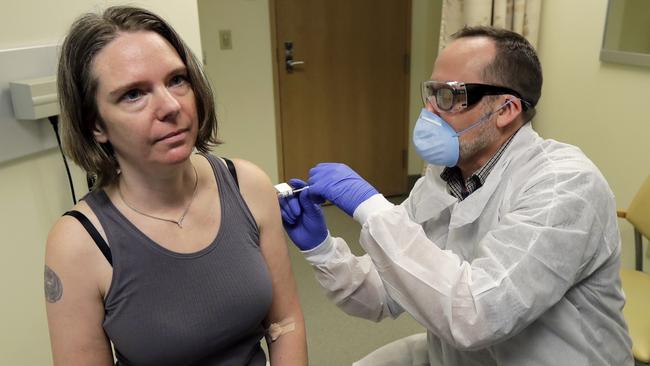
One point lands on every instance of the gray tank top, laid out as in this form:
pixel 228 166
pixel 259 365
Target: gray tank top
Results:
pixel 203 308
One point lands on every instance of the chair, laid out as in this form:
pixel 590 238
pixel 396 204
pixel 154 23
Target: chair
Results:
pixel 636 283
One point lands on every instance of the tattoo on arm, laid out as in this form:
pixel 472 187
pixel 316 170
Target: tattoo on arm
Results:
pixel 53 286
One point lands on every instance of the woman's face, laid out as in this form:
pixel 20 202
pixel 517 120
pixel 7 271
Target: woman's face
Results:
pixel 145 100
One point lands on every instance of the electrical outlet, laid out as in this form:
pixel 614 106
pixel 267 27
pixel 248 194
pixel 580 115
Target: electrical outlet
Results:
pixel 225 39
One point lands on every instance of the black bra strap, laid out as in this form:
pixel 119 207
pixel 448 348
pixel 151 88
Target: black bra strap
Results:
pixel 99 241
pixel 231 167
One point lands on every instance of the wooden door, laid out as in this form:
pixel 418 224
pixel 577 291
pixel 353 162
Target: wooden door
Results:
pixel 348 102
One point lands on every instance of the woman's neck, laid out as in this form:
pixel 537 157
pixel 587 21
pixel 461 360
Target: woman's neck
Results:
pixel 158 187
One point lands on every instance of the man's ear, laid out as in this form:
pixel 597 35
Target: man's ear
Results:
pixel 100 133
pixel 510 112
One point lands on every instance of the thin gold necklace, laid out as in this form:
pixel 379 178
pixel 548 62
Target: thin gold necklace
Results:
pixel 178 222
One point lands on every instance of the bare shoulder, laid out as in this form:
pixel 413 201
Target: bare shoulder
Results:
pixel 257 190
pixel 252 179
pixel 67 236
pixel 251 174
pixel 70 251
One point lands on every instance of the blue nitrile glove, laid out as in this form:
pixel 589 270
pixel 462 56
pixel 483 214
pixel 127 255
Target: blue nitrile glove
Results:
pixel 341 185
pixel 303 218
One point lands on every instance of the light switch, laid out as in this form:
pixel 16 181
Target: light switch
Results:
pixel 225 39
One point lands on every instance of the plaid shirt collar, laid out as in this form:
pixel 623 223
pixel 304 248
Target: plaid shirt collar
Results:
pixel 461 189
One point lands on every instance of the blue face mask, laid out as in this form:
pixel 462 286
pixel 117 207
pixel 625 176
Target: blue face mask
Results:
pixel 437 142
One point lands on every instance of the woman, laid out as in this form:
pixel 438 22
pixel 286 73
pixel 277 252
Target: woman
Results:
pixel 195 270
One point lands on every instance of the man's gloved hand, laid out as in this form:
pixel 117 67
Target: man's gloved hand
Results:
pixel 341 185
pixel 303 218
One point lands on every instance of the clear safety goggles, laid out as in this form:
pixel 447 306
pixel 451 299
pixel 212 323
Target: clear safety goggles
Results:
pixel 454 96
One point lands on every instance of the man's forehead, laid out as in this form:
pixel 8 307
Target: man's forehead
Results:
pixel 464 59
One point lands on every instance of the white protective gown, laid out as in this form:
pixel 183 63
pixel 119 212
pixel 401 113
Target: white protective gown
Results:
pixel 524 271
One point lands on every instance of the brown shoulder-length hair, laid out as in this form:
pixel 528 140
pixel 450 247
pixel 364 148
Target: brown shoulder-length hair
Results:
pixel 77 86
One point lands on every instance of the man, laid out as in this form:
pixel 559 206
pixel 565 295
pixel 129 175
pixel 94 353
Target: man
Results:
pixel 507 250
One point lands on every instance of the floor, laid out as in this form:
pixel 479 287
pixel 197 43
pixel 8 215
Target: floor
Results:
pixel 335 338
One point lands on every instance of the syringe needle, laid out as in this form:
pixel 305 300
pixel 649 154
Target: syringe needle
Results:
pixel 300 189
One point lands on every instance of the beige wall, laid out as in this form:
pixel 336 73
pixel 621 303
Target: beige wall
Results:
pixel 242 78
pixel 425 31
pixel 599 107
pixel 34 190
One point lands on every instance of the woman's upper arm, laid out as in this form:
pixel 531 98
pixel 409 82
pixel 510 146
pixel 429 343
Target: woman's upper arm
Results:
pixel 291 347
pixel 74 305
pixel 261 198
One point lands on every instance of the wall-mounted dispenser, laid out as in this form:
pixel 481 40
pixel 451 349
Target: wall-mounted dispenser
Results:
pixel 34 98
pixel 21 137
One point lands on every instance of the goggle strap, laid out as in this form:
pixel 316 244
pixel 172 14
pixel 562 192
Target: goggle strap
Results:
pixel 482 119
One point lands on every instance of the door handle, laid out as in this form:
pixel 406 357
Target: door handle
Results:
pixel 289 63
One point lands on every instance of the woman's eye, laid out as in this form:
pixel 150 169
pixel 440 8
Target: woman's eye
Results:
pixel 131 95
pixel 178 80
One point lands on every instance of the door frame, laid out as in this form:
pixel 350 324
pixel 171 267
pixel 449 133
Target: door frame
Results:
pixel 276 93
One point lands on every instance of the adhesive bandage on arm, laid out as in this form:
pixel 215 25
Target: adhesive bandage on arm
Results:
pixel 275 330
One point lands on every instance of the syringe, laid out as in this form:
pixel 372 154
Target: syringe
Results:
pixel 284 190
